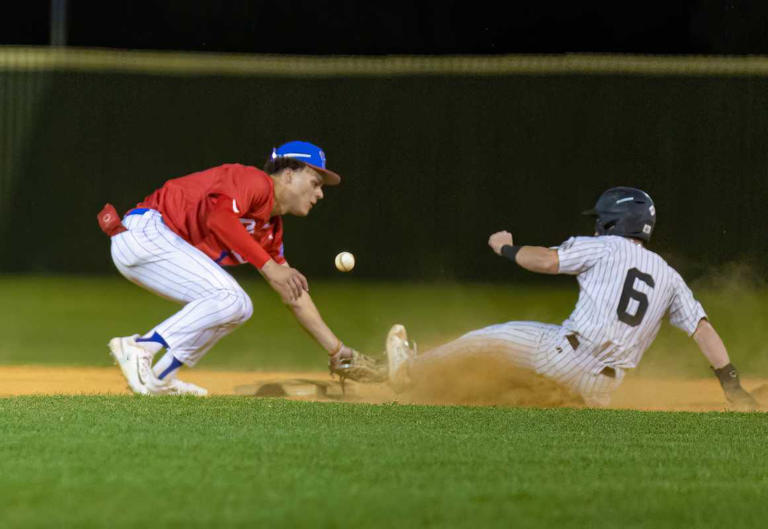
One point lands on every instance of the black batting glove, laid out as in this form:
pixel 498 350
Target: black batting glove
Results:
pixel 736 395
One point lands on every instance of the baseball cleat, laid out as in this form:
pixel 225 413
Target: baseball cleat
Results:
pixel 174 386
pixel 134 361
pixel 399 352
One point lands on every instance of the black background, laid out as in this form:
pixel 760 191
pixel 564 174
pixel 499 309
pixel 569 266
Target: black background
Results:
pixel 430 164
pixel 399 27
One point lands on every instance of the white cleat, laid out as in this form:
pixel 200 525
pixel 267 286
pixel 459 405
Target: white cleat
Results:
pixel 136 364
pixel 134 361
pixel 399 352
pixel 174 386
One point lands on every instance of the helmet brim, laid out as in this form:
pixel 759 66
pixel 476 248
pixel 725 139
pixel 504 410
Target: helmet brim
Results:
pixel 329 177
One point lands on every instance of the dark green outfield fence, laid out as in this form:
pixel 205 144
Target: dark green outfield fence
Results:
pixel 435 154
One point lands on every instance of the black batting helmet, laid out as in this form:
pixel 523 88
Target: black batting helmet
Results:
pixel 624 211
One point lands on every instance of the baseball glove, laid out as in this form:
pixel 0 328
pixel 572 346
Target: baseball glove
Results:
pixel 350 364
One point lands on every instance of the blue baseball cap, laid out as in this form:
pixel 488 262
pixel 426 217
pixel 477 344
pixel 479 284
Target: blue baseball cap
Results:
pixel 310 154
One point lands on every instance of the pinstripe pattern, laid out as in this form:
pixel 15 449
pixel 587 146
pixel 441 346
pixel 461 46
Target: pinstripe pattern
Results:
pixel 522 340
pixel 155 258
pixel 543 349
pixel 602 266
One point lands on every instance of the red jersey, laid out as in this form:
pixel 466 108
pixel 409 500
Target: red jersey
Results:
pixel 187 202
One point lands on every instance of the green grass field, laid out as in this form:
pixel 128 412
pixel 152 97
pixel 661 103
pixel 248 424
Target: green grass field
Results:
pixel 68 321
pixel 239 462
pixel 123 461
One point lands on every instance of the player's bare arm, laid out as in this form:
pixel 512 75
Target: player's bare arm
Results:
pixel 713 348
pixel 342 359
pixel 711 344
pixel 534 258
pixel 288 282
pixel 307 314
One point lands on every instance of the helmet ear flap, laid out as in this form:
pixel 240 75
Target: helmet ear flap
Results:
pixel 603 227
pixel 599 227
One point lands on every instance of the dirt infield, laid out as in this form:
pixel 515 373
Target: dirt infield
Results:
pixel 635 393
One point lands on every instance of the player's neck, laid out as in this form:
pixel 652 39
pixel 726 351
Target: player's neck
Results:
pixel 278 207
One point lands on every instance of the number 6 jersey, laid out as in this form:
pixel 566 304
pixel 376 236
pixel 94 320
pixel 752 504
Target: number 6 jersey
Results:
pixel 625 290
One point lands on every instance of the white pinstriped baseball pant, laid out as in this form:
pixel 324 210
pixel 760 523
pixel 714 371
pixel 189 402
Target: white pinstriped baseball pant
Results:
pixel 544 349
pixel 151 255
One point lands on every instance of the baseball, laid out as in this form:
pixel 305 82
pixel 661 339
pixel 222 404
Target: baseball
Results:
pixel 345 261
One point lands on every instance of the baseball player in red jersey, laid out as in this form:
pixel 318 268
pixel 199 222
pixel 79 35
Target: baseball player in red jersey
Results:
pixel 175 242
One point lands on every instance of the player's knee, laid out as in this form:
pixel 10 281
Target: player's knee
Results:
pixel 246 307
pixel 239 305
pixel 233 305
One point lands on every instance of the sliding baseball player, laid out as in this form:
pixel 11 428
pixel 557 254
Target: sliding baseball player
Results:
pixel 625 291
pixel 176 242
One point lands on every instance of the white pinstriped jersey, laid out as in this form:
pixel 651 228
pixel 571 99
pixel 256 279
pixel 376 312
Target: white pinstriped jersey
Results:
pixel 625 291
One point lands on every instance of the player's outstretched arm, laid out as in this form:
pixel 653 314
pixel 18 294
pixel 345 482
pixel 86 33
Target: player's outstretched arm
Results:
pixel 306 313
pixel 533 258
pixel 340 357
pixel 712 347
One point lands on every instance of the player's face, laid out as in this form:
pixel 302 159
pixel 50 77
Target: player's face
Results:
pixel 305 190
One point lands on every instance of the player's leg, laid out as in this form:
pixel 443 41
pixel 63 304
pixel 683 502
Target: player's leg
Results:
pixel 597 389
pixel 517 345
pixel 519 342
pixel 152 256
pixel 536 347
pixel 580 371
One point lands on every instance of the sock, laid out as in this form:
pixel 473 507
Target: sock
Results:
pixel 166 366
pixel 152 344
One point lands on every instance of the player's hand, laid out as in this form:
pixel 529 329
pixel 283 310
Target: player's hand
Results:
pixel 341 356
pixel 498 240
pixel 287 281
pixel 348 363
pixel 740 399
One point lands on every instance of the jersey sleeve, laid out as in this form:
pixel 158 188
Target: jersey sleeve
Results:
pixel 685 312
pixel 579 254
pixel 225 224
